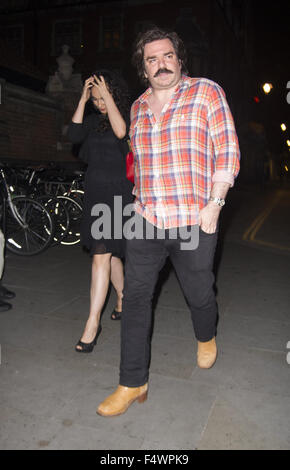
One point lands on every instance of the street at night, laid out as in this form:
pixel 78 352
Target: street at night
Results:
pixel 50 394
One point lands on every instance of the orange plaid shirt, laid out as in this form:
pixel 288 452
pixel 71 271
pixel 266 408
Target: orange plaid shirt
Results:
pixel 178 158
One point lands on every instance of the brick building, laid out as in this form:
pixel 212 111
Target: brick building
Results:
pixel 217 34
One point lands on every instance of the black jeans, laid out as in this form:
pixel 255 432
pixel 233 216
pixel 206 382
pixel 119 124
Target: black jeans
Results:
pixel 144 260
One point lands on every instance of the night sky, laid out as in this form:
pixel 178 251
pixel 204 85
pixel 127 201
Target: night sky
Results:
pixel 272 38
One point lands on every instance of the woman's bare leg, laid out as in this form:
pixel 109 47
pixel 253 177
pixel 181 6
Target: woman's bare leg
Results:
pixel 100 279
pixel 117 279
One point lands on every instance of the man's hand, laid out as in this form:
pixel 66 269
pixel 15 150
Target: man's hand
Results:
pixel 209 216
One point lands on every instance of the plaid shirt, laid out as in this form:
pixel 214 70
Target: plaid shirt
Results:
pixel 178 158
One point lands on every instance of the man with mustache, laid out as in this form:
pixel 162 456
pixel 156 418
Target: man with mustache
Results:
pixel 186 158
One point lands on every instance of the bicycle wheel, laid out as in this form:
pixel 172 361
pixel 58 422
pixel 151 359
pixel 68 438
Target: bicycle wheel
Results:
pixel 60 214
pixel 77 195
pixel 29 227
pixel 75 215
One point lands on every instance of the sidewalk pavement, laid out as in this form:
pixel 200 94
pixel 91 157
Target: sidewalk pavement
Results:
pixel 49 393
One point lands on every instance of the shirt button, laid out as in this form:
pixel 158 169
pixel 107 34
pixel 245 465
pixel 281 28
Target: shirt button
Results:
pixel 156 174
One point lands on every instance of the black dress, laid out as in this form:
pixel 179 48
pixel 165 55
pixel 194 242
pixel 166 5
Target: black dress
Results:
pixel 104 180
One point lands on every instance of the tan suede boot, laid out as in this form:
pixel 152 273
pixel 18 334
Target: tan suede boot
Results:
pixel 206 354
pixel 117 403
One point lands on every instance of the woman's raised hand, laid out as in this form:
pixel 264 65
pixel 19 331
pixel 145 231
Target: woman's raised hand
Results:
pixel 86 89
pixel 100 84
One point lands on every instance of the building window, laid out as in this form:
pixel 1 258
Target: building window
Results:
pixel 9 5
pixel 67 32
pixel 14 37
pixel 111 33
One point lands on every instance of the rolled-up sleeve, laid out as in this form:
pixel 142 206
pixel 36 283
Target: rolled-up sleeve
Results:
pixel 224 138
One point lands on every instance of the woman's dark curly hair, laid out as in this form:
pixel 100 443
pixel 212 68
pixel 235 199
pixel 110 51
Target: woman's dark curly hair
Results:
pixel 155 34
pixel 119 91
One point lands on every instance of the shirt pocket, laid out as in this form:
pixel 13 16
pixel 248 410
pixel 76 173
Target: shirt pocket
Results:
pixel 140 134
pixel 139 124
pixel 189 129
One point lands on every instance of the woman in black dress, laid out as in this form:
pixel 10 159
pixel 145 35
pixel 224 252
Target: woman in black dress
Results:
pixel 102 134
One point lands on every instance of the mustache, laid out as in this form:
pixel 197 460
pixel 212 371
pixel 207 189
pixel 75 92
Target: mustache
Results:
pixel 162 71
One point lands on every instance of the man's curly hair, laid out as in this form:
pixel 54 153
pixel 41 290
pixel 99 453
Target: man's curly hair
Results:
pixel 155 34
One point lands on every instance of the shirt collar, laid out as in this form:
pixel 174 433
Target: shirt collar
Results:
pixel 182 85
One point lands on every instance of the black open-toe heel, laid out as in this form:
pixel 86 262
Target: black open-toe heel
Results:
pixel 88 347
pixel 116 315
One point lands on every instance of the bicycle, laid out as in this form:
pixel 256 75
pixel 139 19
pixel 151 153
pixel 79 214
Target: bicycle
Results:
pixel 64 185
pixel 26 223
pixel 76 188
pixel 66 210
